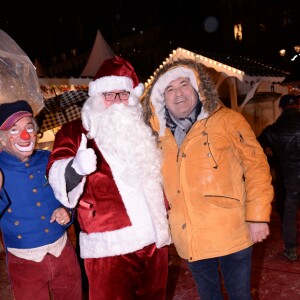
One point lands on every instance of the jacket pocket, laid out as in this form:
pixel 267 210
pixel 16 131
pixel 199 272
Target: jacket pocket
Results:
pixel 223 201
pixel 86 216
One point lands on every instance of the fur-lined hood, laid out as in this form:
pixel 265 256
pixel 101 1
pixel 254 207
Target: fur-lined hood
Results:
pixel 153 101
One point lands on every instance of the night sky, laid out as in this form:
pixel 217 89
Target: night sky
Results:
pixel 44 30
pixel 47 29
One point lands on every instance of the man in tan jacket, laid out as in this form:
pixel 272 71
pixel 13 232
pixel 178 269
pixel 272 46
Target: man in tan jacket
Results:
pixel 216 178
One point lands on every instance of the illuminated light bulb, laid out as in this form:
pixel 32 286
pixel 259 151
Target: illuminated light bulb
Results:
pixel 282 52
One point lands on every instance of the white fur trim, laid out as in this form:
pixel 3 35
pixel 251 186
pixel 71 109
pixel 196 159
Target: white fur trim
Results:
pixel 139 89
pixel 173 74
pixel 157 94
pixel 110 83
pixel 128 239
pixel 58 183
pixel 149 224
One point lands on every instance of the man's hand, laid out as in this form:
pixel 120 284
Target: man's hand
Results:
pixel 61 216
pixel 85 161
pixel 259 231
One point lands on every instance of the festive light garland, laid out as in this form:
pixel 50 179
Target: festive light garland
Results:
pixel 208 62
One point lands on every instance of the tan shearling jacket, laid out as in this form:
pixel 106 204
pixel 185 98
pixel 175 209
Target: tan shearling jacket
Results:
pixel 216 182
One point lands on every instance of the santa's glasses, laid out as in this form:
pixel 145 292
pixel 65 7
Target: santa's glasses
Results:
pixel 110 96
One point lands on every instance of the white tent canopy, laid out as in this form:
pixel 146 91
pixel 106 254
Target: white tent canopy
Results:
pixel 100 52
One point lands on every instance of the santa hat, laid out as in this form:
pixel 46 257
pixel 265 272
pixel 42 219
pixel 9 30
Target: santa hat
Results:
pixel 12 112
pixel 114 74
pixel 117 74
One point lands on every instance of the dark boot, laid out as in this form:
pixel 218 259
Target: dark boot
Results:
pixel 290 254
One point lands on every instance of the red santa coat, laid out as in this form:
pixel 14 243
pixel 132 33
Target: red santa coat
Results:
pixel 116 215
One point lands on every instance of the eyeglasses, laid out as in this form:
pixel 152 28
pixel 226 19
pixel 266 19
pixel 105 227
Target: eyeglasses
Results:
pixel 110 96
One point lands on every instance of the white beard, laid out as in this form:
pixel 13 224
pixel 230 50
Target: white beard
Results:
pixel 130 149
pixel 122 131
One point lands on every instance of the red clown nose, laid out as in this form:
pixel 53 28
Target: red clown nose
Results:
pixel 25 135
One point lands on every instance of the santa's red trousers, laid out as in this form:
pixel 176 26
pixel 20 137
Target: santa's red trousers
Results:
pixel 139 275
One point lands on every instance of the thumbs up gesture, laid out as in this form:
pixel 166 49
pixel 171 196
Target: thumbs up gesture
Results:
pixel 85 160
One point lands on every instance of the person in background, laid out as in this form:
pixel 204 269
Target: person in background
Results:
pixel 283 139
pixel 215 175
pixel 41 261
pixel 107 166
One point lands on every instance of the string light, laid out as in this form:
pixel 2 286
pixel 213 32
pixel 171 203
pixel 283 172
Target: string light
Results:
pixel 208 62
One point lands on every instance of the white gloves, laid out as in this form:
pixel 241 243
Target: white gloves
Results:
pixel 85 161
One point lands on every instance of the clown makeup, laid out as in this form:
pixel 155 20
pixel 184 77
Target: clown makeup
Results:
pixel 21 138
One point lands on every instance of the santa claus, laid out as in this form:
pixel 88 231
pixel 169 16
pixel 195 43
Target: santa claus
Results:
pixel 107 166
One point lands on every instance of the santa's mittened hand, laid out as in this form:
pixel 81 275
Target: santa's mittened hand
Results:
pixel 85 161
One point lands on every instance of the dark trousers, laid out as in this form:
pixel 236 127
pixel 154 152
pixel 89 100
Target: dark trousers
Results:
pixel 235 270
pixel 59 276
pixel 291 206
